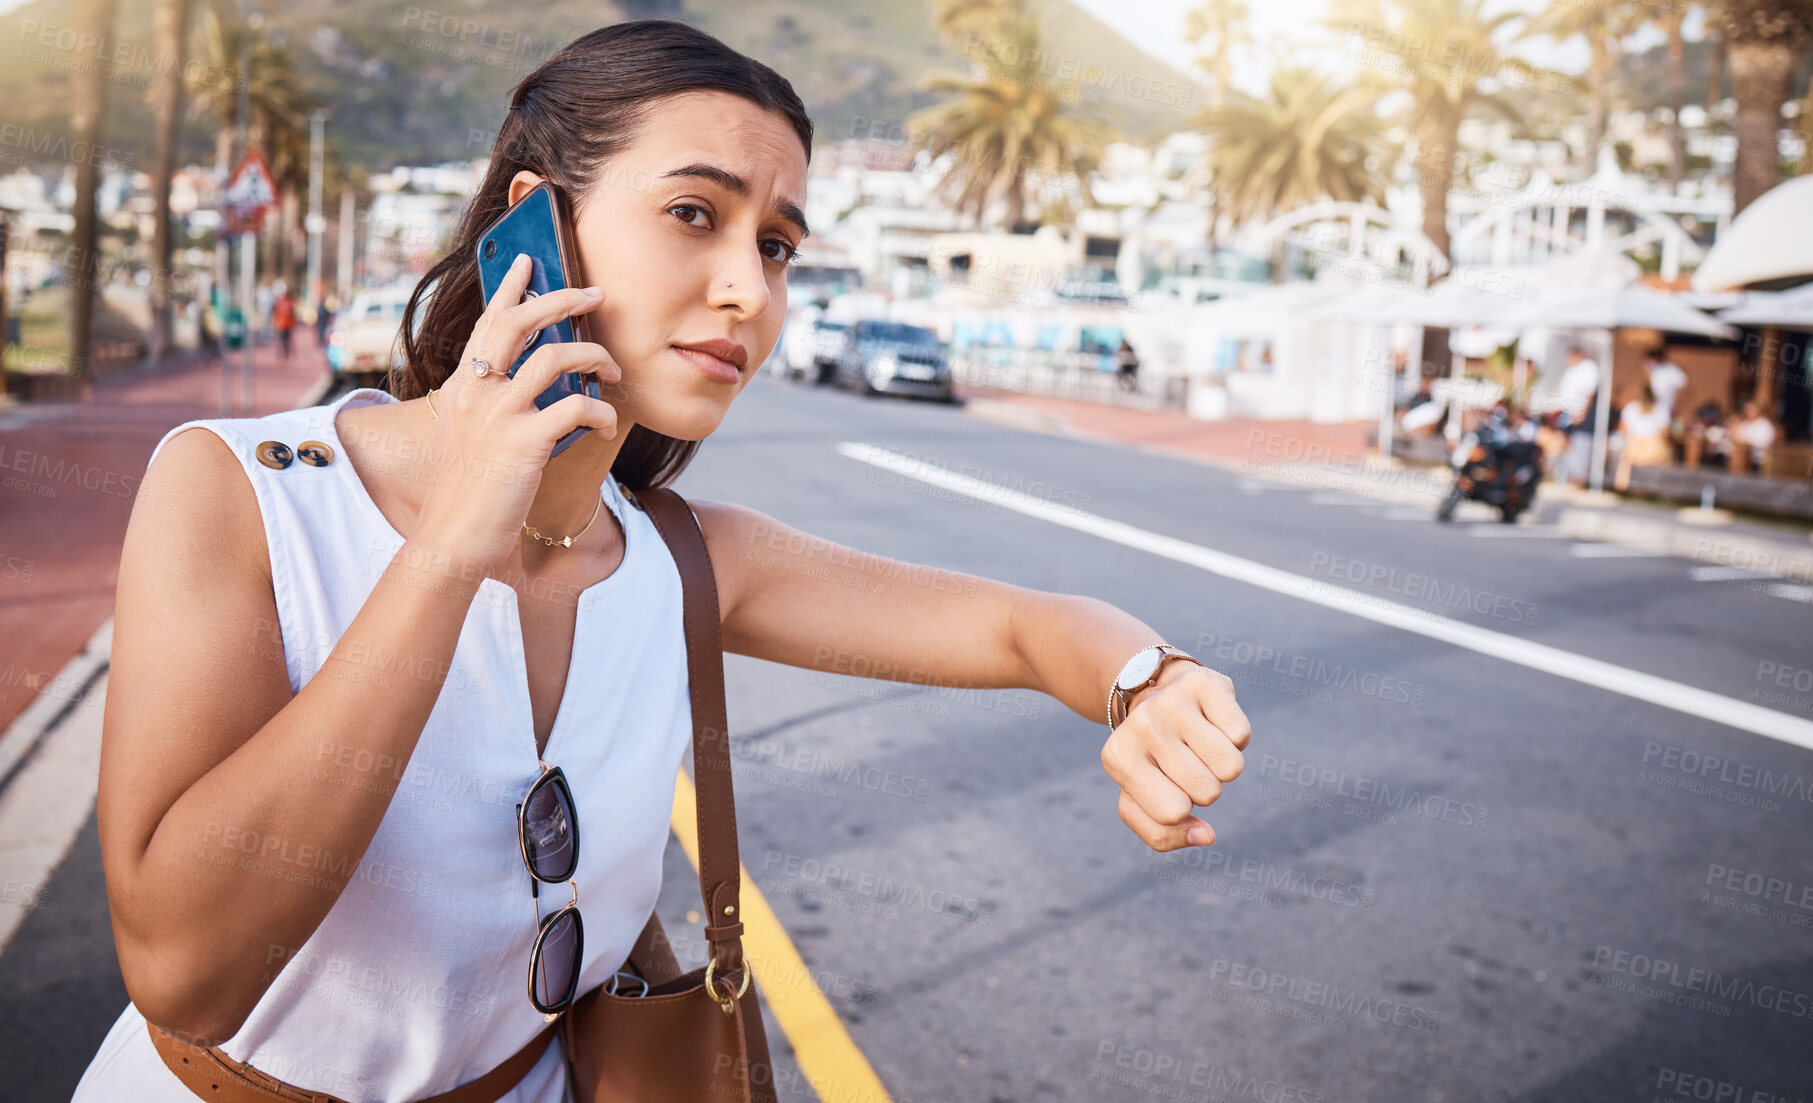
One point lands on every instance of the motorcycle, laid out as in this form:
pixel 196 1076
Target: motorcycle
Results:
pixel 1496 466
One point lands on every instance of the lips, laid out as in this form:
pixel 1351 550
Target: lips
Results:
pixel 722 349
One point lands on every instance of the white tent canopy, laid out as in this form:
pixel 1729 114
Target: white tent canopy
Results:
pixel 1613 308
pixel 1771 240
pixel 1791 309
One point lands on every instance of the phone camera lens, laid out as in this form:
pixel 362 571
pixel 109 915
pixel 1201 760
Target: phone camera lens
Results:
pixel 490 249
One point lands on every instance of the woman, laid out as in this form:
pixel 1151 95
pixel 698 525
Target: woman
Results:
pixel 1645 424
pixel 329 689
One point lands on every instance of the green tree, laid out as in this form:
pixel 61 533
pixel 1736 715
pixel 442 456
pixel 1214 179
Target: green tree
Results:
pixel 1604 24
pixel 277 107
pixel 1462 65
pixel 1007 127
pixel 1225 26
pixel 1765 44
pixel 90 74
pixel 171 24
pixel 1310 138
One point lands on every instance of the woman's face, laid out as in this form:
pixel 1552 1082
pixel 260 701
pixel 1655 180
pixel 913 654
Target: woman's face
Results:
pixel 688 230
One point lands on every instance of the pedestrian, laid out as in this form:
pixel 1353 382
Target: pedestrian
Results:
pixel 1645 424
pixel 208 335
pixel 1578 392
pixel 324 317
pixel 283 319
pixel 1751 436
pixel 1665 377
pixel 1127 365
pixel 319 841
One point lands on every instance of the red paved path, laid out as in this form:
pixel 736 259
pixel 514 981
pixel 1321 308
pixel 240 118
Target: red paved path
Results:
pixel 67 486
pixel 1236 442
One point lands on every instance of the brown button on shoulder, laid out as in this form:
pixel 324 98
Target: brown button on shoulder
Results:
pixel 316 453
pixel 275 454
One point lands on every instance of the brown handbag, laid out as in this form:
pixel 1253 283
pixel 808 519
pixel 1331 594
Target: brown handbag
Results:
pixel 693 1036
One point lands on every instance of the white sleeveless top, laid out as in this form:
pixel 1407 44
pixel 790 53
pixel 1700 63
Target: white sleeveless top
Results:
pixel 417 979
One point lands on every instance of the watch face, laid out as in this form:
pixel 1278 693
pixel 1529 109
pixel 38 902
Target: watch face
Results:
pixel 1139 668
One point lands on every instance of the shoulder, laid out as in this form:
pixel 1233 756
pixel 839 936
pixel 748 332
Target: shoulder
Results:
pixel 197 502
pixel 739 539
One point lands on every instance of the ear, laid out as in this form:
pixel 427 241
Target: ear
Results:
pixel 521 183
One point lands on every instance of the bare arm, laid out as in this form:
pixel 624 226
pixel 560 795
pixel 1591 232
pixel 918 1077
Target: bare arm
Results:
pixel 794 598
pixel 212 774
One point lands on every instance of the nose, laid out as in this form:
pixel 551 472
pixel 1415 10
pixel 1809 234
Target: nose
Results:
pixel 739 284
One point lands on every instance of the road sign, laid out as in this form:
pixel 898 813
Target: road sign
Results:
pixel 251 191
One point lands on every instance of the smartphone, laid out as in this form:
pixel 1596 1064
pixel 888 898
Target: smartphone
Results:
pixel 538 224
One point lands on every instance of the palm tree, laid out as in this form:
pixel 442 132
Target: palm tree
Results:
pixel 90 71
pixel 1605 25
pixel 959 16
pixel 277 109
pixel 1764 43
pixel 1309 139
pixel 172 33
pixel 276 104
pixel 1007 128
pixel 1669 20
pixel 1443 94
pixel 1224 23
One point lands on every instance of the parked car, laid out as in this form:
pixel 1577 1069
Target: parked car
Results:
pixel 1101 292
pixel 895 358
pixel 362 344
pixel 831 346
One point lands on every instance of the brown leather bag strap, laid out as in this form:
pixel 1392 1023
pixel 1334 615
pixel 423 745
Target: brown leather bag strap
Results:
pixel 210 1074
pixel 720 871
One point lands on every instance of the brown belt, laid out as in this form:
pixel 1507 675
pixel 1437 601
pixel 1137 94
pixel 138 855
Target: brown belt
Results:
pixel 211 1074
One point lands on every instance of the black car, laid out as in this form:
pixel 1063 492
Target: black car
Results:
pixel 895 358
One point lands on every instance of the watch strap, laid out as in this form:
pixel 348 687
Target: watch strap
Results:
pixel 1118 697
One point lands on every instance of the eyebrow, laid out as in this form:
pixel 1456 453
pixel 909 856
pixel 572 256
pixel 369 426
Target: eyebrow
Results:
pixel 730 181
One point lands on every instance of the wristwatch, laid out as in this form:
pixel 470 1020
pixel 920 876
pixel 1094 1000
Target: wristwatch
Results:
pixel 1141 671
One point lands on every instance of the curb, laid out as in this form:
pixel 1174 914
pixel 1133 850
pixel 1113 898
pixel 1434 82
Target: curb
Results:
pixel 1021 417
pixel 1608 523
pixel 1740 550
pixel 53 705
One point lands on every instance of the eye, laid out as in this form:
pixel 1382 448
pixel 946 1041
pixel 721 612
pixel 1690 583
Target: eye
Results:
pixel 689 211
pixel 788 254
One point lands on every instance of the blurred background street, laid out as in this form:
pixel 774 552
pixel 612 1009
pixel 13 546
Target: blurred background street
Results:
pixel 1434 368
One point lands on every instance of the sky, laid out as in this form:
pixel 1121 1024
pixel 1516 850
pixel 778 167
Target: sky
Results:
pixel 1156 26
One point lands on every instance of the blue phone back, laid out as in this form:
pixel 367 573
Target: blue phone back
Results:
pixel 530 228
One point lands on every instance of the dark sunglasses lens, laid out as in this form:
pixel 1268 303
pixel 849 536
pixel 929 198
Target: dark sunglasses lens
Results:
pixel 557 964
pixel 548 819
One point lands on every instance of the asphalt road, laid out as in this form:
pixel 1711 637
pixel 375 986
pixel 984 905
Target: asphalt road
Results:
pixel 1444 875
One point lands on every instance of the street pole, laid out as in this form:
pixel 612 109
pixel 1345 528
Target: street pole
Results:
pixel 1602 419
pixel 248 245
pixel 344 269
pixel 315 222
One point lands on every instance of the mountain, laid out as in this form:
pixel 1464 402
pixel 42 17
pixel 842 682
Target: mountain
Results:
pixel 406 84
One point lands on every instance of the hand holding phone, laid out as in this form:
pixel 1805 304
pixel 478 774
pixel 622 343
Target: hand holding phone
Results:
pixel 538 225
pixel 491 442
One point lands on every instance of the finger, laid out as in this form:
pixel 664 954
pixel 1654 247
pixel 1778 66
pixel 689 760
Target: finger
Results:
pixel 512 329
pixel 1181 763
pixel 548 362
pixel 1160 836
pixel 1137 774
pixel 510 288
pixel 1209 742
pixel 576 410
pixel 1225 713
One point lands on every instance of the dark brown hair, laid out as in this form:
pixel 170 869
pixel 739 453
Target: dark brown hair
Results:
pixel 566 119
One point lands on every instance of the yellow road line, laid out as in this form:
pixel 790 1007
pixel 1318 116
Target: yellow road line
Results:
pixel 828 1059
